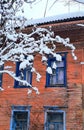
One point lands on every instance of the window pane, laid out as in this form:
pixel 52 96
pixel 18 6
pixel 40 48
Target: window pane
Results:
pixel 20 119
pixel 57 77
pixel 51 127
pixel 20 115
pixel 21 77
pixel 55 117
pixel 55 126
pixel 0 79
pixel 61 76
pixel 53 80
pixel 28 75
pixel 25 75
pixel 0 76
pixel 55 121
pixel 58 63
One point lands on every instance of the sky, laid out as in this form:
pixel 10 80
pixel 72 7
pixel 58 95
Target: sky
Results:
pixel 37 10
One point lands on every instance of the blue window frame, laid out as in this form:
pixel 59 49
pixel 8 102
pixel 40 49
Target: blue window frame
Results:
pixel 58 77
pixel 25 74
pixel 54 118
pixel 1 68
pixel 20 118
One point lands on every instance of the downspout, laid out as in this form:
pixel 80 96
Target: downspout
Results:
pixel 82 81
pixel 83 103
pixel 83 86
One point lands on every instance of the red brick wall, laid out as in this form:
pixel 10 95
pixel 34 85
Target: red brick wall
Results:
pixel 70 97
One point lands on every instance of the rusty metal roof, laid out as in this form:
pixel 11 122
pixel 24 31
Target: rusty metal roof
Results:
pixel 56 19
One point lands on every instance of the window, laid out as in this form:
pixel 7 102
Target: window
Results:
pixel 58 76
pixel 54 119
pixel 20 118
pixel 1 68
pixel 25 74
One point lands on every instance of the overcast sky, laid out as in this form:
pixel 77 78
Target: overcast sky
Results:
pixel 37 10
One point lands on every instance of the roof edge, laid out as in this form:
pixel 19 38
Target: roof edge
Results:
pixel 56 19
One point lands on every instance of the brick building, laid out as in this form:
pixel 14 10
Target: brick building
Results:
pixel 60 104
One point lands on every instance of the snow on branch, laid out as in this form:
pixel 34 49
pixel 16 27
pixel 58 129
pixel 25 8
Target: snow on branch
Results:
pixel 79 1
pixel 24 82
pixel 82 25
pixel 17 46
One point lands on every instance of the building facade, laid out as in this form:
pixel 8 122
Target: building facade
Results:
pixel 60 104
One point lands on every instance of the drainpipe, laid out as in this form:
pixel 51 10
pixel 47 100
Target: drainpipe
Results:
pixel 82 64
pixel 83 103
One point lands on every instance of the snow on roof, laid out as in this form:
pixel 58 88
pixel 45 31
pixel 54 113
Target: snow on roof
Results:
pixel 54 18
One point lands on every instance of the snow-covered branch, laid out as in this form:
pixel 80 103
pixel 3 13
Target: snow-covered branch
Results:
pixel 17 46
pixel 82 25
pixel 79 1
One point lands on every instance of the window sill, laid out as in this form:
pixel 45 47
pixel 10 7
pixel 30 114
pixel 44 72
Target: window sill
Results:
pixel 21 87
pixel 55 86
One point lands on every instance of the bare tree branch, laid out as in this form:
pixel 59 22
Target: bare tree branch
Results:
pixel 79 1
